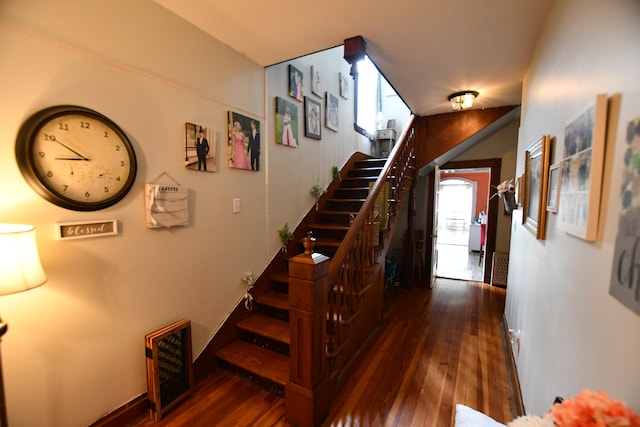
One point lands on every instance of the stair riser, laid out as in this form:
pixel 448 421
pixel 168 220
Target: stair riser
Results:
pixel 273 312
pixel 328 234
pixel 371 173
pixel 373 163
pixel 337 219
pixel 357 182
pixel 351 193
pixel 265 384
pixel 264 342
pixel 344 205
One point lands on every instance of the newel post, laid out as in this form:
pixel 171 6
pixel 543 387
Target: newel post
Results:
pixel 307 392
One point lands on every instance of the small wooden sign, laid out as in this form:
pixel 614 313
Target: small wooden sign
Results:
pixel 83 229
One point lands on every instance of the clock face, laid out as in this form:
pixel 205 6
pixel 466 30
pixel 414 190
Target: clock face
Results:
pixel 76 158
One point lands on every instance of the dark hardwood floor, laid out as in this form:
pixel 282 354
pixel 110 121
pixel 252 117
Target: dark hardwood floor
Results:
pixel 435 348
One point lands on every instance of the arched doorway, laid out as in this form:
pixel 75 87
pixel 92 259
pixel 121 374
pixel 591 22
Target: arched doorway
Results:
pixel 459 206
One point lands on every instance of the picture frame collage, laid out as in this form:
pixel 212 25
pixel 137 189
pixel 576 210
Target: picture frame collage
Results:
pixel 571 187
pixel 287 115
pixel 243 133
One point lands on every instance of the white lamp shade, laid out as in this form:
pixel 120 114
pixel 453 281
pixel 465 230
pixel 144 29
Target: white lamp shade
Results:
pixel 20 267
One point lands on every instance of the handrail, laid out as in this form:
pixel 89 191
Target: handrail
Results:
pixel 358 223
pixel 355 274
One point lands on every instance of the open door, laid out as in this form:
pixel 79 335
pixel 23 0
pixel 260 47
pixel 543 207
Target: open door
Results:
pixel 434 226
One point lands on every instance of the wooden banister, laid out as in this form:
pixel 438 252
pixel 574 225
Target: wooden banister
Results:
pixel 358 223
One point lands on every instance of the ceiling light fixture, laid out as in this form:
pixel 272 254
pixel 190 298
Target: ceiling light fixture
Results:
pixel 462 100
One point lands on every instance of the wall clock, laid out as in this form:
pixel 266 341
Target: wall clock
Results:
pixel 76 158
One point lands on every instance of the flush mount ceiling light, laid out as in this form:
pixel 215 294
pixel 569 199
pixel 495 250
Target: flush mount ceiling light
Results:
pixel 462 100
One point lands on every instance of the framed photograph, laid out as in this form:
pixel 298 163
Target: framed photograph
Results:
pixel 332 109
pixel 296 81
pixel 553 195
pixel 243 145
pixel 582 166
pixel 536 169
pixel 312 118
pixel 344 85
pixel 286 122
pixel 200 148
pixel 316 86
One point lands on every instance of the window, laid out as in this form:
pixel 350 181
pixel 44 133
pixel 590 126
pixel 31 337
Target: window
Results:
pixel 375 101
pixel 367 97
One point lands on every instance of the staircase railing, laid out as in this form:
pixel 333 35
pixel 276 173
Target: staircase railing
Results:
pixel 356 271
pixel 335 305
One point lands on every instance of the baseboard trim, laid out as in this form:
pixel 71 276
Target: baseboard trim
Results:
pixel 129 414
pixel 517 404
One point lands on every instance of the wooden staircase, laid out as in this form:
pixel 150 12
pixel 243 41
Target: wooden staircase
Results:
pixel 261 351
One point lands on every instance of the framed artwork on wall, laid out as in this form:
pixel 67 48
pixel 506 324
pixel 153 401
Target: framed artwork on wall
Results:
pixel 296 81
pixel 582 166
pixel 344 85
pixel 536 169
pixel 316 86
pixel 312 118
pixel 243 145
pixel 200 148
pixel 553 195
pixel 332 111
pixel 286 122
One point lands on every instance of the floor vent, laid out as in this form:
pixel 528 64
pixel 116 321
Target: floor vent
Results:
pixel 500 269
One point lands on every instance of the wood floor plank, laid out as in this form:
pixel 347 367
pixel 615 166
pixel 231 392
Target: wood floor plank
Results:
pixel 435 348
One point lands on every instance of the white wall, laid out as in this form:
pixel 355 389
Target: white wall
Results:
pixel 574 335
pixel 295 170
pixel 75 347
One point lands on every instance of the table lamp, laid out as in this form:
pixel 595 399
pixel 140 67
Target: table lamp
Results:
pixel 20 270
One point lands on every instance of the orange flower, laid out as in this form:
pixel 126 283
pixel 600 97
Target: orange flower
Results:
pixel 593 409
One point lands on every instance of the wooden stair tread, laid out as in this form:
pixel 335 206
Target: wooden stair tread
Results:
pixel 261 362
pixel 266 326
pixel 329 226
pixel 275 299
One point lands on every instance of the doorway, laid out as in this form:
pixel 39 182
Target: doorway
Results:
pixel 459 256
pixel 490 166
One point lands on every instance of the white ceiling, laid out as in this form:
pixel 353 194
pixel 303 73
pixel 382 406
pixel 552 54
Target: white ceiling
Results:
pixel 427 49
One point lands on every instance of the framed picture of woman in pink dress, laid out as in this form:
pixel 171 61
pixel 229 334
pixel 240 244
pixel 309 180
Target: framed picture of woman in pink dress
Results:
pixel 286 122
pixel 243 146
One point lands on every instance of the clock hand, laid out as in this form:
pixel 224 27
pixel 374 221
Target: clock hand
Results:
pixel 70 149
pixel 71 158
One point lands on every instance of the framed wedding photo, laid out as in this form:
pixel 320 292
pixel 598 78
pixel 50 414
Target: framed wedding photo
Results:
pixel 331 104
pixel 312 118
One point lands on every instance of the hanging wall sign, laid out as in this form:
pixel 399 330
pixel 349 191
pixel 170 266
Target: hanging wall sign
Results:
pixel 167 205
pixel 83 229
